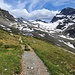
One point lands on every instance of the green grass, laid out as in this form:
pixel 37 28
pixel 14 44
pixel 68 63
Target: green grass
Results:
pixel 58 61
pixel 10 61
pixel 10 54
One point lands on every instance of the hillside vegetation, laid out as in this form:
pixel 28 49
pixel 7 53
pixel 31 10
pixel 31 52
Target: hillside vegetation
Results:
pixel 10 54
pixel 57 60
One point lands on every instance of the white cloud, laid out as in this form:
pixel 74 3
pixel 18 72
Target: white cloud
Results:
pixel 33 4
pixel 36 14
pixel 21 5
pixel 37 3
pixel 42 14
pixel 1 0
pixel 42 3
pixel 62 2
pixel 22 12
pixel 4 5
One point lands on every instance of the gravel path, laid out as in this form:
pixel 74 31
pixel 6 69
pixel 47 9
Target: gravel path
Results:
pixel 32 65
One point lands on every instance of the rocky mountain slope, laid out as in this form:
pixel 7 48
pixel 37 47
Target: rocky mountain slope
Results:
pixel 60 31
pixel 6 14
pixel 66 26
pixel 66 20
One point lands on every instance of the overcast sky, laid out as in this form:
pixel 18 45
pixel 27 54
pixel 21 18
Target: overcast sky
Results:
pixel 35 9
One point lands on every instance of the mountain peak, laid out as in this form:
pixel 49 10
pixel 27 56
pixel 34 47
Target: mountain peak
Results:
pixel 64 14
pixel 68 11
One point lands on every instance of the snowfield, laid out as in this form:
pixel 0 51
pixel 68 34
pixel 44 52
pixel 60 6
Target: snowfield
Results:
pixel 66 37
pixel 47 26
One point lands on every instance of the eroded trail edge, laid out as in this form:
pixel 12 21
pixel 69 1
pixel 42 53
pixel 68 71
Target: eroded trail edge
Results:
pixel 32 65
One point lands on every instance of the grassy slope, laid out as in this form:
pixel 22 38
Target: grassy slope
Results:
pixel 58 61
pixel 10 54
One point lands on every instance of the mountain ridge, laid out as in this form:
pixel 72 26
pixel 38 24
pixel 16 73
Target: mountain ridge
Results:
pixel 6 14
pixel 63 26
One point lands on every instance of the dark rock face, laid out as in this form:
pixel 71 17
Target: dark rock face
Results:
pixel 22 20
pixel 65 12
pixel 67 21
pixel 41 20
pixel 68 11
pixel 70 31
pixel 5 14
pixel 55 18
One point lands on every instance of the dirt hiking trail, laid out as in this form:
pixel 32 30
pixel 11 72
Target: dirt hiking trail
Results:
pixel 32 65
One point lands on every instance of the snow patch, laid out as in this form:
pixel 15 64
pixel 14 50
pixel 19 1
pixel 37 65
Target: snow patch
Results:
pixel 68 44
pixel 60 15
pixel 42 35
pixel 2 26
pixel 27 30
pixel 8 29
pixel 25 22
pixel 66 37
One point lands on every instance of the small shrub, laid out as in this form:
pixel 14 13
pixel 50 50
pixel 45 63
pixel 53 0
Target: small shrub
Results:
pixel 26 48
pixel 17 71
pixel 1 43
pixel 10 46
